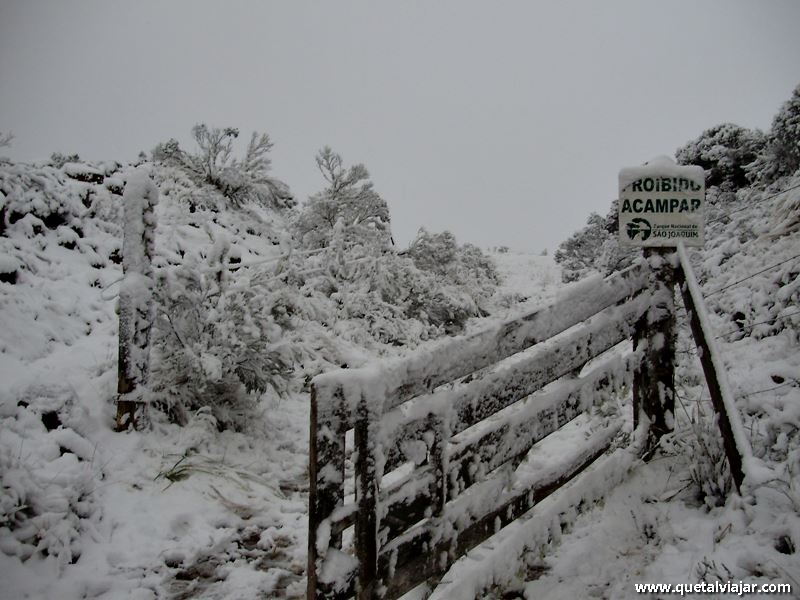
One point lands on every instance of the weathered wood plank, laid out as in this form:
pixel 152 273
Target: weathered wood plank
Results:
pixel 408 501
pixel 411 560
pixel 333 412
pixel 421 372
pixel 715 374
pixel 481 398
pixel 507 438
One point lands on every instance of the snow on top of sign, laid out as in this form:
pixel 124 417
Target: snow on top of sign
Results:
pixel 661 166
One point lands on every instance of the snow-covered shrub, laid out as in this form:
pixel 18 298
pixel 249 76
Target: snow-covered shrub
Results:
pixel 578 254
pixel 40 192
pixel 468 278
pixel 724 151
pixel 709 474
pixel 218 341
pixel 781 156
pixel 786 214
pixel 239 180
pixel 350 197
pixel 58 160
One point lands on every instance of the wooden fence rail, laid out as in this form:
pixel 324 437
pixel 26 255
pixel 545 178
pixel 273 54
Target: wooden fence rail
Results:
pixel 438 434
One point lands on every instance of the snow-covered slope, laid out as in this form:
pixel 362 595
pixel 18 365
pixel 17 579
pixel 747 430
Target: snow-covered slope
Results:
pixel 88 513
pixel 176 511
pixel 191 511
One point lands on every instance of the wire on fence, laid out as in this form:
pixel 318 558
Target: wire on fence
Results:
pixel 738 210
pixel 777 387
pixel 730 285
pixel 753 325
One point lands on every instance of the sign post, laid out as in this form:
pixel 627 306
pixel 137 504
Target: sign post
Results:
pixel 660 204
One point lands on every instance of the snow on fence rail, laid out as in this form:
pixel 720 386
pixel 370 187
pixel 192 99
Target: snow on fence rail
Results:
pixel 449 425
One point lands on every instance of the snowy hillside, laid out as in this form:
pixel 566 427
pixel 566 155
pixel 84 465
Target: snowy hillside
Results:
pixel 175 511
pixel 92 513
pixel 255 297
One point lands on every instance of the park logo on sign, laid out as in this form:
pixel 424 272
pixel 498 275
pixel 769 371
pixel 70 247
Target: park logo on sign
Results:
pixel 661 204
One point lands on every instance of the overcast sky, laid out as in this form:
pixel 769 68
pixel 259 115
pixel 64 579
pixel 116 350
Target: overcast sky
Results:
pixel 505 122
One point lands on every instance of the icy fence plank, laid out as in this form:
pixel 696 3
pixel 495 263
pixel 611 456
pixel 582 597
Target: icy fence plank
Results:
pixel 476 515
pixel 432 547
pixel 409 498
pixel 425 370
pixel 367 399
pixel 448 360
pixel 503 440
pixel 734 440
pixel 535 531
pixel 483 397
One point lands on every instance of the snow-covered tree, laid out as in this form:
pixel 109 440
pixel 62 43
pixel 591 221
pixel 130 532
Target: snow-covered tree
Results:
pixel 239 180
pixel 781 156
pixel 350 197
pixel 785 135
pixel 460 267
pixel 578 254
pixel 724 151
pixel 136 309
pixel 219 343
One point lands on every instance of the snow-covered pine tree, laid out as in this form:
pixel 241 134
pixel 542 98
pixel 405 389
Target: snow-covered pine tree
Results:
pixel 136 309
pixel 239 180
pixel 349 196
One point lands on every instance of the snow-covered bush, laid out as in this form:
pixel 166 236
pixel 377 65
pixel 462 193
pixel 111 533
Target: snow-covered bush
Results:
pixel 578 254
pixel 218 341
pixel 709 475
pixel 58 160
pixel 41 193
pixel 350 197
pixel 468 277
pixel 724 151
pixel 786 214
pixel 781 156
pixel 239 180
pixel 379 296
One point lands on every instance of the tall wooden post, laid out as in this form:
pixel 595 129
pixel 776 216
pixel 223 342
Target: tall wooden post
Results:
pixel 654 379
pixel 366 525
pixel 326 485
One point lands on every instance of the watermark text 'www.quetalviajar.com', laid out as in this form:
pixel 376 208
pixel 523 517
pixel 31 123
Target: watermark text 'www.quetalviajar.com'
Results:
pixel 740 588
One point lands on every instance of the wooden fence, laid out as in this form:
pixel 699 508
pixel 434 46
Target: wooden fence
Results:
pixel 436 435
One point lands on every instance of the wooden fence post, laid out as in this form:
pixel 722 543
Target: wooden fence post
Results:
pixel 366 525
pixel 654 378
pixel 716 378
pixel 327 449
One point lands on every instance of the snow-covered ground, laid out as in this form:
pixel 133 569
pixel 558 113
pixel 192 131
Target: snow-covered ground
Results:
pixel 185 512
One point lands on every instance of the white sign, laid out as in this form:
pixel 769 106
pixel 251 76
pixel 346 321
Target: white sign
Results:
pixel 661 204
